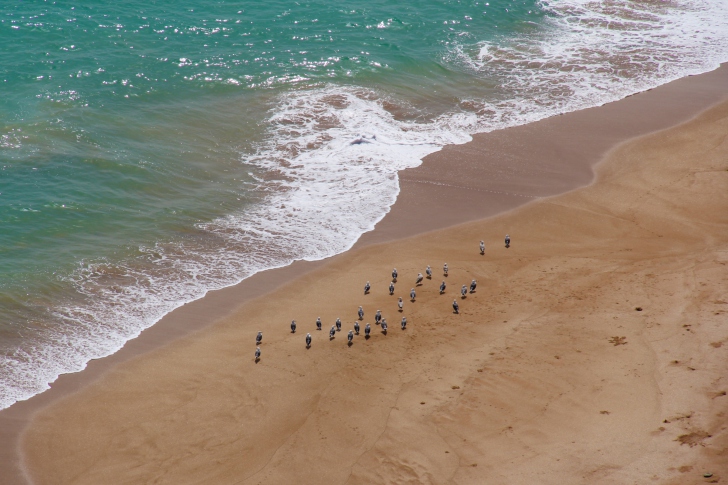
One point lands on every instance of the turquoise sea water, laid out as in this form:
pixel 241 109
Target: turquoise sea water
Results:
pixel 152 151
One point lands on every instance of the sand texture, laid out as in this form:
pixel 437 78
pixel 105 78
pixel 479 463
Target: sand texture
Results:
pixel 593 351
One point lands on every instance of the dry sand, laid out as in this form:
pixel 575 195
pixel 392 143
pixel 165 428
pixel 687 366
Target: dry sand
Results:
pixel 550 374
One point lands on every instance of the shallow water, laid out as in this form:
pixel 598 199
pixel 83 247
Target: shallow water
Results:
pixel 152 152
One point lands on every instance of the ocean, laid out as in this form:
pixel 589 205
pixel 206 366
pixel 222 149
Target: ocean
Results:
pixel 153 151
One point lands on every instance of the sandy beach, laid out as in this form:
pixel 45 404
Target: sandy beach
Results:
pixel 593 351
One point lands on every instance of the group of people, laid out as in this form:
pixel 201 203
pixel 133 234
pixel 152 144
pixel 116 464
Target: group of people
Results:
pixel 378 319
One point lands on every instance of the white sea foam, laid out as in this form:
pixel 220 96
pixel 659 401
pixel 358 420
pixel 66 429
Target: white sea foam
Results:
pixel 594 52
pixel 331 160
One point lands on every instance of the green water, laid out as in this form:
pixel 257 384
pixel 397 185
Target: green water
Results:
pixel 124 123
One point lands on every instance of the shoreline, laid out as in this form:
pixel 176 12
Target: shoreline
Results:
pixel 452 181
pixel 592 351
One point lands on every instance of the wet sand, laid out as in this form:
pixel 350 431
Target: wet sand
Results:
pixel 172 412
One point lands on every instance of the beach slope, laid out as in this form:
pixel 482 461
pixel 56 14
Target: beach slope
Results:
pixel 594 350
